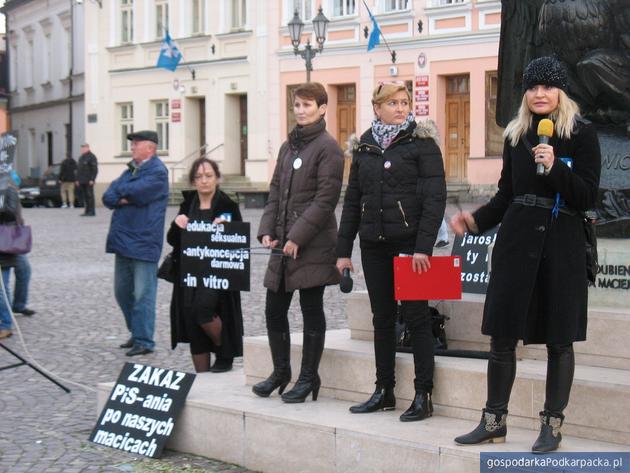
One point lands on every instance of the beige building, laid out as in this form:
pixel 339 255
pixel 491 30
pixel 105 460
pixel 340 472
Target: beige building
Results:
pixel 46 80
pixel 215 102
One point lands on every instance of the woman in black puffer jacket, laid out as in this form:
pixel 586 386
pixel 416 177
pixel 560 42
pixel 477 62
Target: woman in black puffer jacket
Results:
pixel 395 201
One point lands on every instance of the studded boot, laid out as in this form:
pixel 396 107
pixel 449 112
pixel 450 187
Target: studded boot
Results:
pixel 550 436
pixel 491 429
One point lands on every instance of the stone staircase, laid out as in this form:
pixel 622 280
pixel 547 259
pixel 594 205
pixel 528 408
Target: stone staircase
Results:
pixel 231 184
pixel 223 419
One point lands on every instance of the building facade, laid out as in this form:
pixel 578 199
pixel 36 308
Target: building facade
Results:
pixel 230 97
pixel 45 56
pixel 215 103
pixel 446 54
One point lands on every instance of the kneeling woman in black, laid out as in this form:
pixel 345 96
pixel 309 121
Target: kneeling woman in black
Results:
pixel 209 319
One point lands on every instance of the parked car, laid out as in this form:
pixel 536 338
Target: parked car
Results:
pixel 47 193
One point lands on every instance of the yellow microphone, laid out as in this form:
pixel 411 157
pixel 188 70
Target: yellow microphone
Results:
pixel 544 132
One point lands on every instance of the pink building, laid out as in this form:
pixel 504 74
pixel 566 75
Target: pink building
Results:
pixel 446 53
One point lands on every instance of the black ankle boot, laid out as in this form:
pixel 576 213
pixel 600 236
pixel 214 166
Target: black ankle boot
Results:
pixel 280 344
pixel 421 408
pixel 308 382
pixel 550 437
pixel 491 429
pixel 222 364
pixel 382 400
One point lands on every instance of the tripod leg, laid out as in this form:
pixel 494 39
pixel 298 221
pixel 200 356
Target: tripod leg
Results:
pixel 35 368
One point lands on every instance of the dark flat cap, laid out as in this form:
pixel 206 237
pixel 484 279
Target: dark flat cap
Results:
pixel 144 135
pixel 546 70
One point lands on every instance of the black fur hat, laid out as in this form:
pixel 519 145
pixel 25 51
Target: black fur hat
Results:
pixel 546 70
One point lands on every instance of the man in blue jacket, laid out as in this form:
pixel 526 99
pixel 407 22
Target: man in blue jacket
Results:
pixel 138 198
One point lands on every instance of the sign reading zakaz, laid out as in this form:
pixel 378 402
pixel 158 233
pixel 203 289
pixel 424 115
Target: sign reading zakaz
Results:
pixel 216 256
pixel 141 410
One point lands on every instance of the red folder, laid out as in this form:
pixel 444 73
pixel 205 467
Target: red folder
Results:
pixel 442 281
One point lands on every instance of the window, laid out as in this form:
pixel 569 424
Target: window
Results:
pixel 198 14
pixel 46 60
pixel 126 21
pixel 28 70
pixel 303 7
pixel 395 5
pixel 161 18
pixel 161 123
pixel 126 125
pixel 345 8
pixel 239 14
pixel 440 3
pixel 13 70
pixel 494 133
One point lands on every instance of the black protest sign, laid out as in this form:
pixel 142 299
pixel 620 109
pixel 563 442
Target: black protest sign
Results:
pixel 141 410
pixel 473 250
pixel 215 256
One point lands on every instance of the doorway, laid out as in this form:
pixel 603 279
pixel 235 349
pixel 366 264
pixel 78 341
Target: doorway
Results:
pixel 346 122
pixel 457 127
pixel 243 130
pixel 202 123
pixel 49 144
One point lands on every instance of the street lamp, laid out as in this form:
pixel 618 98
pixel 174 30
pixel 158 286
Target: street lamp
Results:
pixel 296 25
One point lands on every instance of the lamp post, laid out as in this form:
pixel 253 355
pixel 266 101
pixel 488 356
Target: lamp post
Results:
pixel 296 25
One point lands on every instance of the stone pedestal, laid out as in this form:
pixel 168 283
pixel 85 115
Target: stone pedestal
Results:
pixel 612 287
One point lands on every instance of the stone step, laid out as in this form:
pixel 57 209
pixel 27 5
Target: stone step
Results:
pixel 606 341
pixel 599 407
pixel 223 419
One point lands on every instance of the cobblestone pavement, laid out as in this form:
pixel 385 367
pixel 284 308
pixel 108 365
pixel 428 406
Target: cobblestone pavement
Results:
pixel 76 333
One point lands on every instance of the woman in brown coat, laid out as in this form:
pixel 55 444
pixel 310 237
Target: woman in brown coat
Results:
pixel 299 218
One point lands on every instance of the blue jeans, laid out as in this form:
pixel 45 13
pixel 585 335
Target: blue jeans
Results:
pixel 5 304
pixel 135 288
pixel 22 280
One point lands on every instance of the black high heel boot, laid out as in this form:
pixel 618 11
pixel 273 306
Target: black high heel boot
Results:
pixel 308 382
pixel 421 408
pixel 491 429
pixel 382 399
pixel 550 436
pixel 280 344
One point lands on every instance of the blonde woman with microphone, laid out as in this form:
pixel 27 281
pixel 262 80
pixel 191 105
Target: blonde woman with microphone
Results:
pixel 538 287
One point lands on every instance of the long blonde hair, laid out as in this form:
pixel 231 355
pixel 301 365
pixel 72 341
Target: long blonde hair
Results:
pixel 563 117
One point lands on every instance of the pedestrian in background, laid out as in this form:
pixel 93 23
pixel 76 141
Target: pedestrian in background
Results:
pixel 138 199
pixel 67 179
pixel 300 218
pixel 210 320
pixel 87 169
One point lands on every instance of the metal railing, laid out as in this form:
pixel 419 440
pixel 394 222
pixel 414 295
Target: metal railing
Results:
pixel 183 164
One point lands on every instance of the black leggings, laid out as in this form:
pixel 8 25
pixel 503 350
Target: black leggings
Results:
pixel 378 266
pixel 502 370
pixel 311 302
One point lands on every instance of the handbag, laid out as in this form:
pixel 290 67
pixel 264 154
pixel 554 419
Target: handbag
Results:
pixel 15 239
pixel 403 335
pixel 167 269
pixel 592 265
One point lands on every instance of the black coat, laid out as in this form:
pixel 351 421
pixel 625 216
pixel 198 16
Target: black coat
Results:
pixel 538 287
pixel 395 195
pixel 68 171
pixel 87 168
pixel 229 301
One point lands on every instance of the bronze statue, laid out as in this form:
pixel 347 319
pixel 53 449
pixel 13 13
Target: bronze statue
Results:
pixel 592 39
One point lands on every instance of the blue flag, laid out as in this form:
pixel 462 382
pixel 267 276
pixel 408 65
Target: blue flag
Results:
pixel 375 35
pixel 170 55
